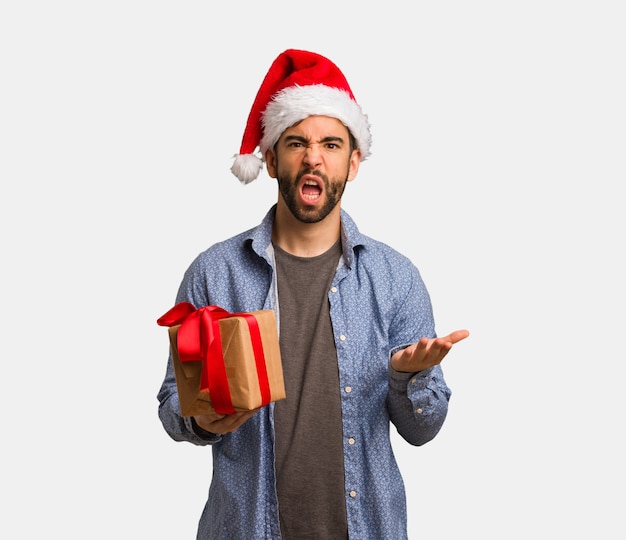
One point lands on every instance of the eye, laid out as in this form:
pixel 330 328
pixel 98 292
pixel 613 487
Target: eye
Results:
pixel 295 144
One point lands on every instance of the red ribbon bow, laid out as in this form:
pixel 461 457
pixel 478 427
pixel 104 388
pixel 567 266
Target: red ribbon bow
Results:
pixel 199 340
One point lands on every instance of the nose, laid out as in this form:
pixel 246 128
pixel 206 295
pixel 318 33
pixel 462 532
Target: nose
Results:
pixel 313 155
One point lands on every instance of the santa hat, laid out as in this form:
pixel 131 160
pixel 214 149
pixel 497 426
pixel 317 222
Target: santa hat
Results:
pixel 298 84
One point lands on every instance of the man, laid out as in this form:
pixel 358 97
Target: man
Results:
pixel 357 335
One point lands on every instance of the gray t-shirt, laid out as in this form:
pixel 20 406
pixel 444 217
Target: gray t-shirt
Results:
pixel 309 438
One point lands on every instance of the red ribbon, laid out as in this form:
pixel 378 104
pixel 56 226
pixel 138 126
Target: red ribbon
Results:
pixel 199 340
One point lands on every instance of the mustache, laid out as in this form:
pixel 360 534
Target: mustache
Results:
pixel 312 172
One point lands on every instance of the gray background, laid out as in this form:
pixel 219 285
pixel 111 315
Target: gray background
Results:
pixel 497 166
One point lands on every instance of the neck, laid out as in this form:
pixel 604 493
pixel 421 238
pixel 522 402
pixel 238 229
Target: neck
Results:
pixel 305 239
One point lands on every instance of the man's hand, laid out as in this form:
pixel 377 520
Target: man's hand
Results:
pixel 426 352
pixel 221 424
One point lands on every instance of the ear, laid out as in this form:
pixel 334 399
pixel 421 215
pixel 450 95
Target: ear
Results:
pixel 355 161
pixel 270 162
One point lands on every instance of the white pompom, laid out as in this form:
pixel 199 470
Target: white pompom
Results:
pixel 246 167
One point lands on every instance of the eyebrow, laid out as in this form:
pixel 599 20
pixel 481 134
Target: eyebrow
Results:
pixel 302 139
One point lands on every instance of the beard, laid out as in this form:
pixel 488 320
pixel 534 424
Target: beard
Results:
pixel 288 188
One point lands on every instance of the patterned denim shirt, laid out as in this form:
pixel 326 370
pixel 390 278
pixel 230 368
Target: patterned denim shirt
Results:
pixel 378 305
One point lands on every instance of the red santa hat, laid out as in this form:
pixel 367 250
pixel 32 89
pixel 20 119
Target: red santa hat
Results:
pixel 298 84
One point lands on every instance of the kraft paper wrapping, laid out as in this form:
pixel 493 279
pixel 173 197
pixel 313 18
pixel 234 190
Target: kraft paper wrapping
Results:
pixel 240 365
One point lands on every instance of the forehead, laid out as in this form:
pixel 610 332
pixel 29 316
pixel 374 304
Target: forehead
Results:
pixel 314 127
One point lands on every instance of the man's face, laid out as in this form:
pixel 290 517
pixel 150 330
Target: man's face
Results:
pixel 312 163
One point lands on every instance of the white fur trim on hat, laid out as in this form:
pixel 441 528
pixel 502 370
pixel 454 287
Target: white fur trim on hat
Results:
pixel 295 103
pixel 246 167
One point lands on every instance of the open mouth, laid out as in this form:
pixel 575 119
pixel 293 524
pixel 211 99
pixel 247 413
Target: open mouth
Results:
pixel 311 189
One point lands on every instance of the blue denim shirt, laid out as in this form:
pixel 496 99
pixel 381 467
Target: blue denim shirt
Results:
pixel 378 305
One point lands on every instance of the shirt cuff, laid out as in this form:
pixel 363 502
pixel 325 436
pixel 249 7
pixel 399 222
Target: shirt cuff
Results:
pixel 400 379
pixel 198 431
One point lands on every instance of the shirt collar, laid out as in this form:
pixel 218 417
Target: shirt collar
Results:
pixel 261 236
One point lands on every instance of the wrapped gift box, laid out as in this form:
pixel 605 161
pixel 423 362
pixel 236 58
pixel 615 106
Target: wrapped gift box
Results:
pixel 245 372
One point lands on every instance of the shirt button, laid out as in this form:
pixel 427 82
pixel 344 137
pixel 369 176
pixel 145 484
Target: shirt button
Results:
pixel 342 337
pixel 418 411
pixel 353 494
pixel 333 289
pixel 350 440
pixel 348 389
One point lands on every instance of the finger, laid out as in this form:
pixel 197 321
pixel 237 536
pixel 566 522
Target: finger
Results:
pixel 457 335
pixel 422 346
pixel 232 421
pixel 211 417
pixel 438 350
